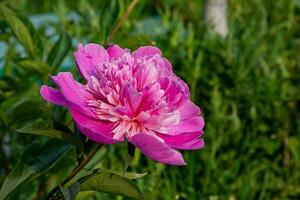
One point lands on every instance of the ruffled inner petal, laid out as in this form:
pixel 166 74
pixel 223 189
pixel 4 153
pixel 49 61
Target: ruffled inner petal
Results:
pixel 146 51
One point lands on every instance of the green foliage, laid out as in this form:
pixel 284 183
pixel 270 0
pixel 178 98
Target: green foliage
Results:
pixel 71 192
pixel 247 86
pixel 59 50
pixel 53 130
pixel 37 67
pixel 23 30
pixel 111 183
pixel 35 160
pixel 124 174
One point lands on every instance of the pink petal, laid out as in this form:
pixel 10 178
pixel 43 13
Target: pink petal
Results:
pixel 116 51
pixel 74 92
pixel 187 141
pixel 174 92
pixel 88 56
pixel 133 99
pixel 146 51
pixel 152 95
pixel 96 130
pixel 188 110
pixel 156 149
pixel 186 126
pixel 168 65
pixel 53 96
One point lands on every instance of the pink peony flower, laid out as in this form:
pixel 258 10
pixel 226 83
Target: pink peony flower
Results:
pixel 130 95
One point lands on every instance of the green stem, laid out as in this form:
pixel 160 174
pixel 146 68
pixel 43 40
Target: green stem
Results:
pixel 75 170
pixel 121 21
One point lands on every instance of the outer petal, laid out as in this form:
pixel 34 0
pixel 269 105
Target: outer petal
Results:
pixel 74 92
pixel 96 130
pixel 188 110
pixel 116 51
pixel 187 126
pixel 146 51
pixel 53 96
pixel 168 65
pixel 156 149
pixel 88 56
pixel 187 141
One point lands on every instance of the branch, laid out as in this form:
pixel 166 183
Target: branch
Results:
pixel 75 170
pixel 121 21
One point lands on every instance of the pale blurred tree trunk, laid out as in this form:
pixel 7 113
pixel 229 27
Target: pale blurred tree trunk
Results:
pixel 215 13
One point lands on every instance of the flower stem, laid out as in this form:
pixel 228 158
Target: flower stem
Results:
pixel 121 21
pixel 75 171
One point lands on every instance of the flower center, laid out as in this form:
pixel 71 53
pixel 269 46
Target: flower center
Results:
pixel 137 95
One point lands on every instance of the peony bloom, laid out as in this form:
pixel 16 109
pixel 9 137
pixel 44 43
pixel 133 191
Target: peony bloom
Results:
pixel 130 95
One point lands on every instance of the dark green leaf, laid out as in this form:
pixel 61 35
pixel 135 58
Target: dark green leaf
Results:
pixel 25 111
pixel 59 50
pixel 37 67
pixel 35 160
pixel 23 30
pixel 111 11
pixel 53 130
pixel 111 183
pixel 71 192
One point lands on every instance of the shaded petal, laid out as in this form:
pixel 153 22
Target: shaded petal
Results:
pixel 186 126
pixel 96 130
pixel 53 96
pixel 152 95
pixel 146 51
pixel 132 99
pixel 116 51
pixel 188 110
pixel 88 56
pixel 156 149
pixel 168 65
pixel 186 141
pixel 74 92
pixel 175 91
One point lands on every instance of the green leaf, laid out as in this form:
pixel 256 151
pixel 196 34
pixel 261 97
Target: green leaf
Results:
pixel 54 130
pixel 71 192
pixel 111 11
pixel 22 112
pixel 37 67
pixel 23 30
pixel 110 183
pixel 128 175
pixel 59 50
pixel 35 160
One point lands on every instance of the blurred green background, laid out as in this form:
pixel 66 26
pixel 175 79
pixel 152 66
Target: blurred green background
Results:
pixel 247 85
